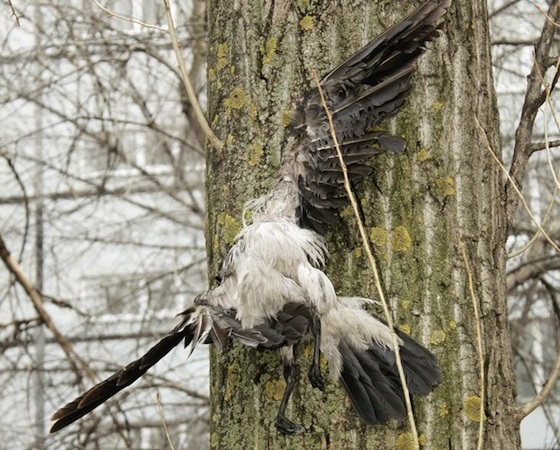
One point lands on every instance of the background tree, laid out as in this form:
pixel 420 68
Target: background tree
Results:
pixel 102 205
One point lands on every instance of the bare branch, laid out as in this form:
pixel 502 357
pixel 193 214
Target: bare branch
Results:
pixel 25 200
pixel 534 98
pixel 542 396
pixel 201 119
pixel 127 19
pixel 164 421
pixel 531 269
pixel 515 187
pixel 502 8
pixel 537 146
pixel 514 42
pixel 75 359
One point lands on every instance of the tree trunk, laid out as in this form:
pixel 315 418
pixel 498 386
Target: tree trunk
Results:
pixel 444 190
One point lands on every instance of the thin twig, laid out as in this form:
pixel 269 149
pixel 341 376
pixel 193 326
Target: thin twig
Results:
pixel 547 145
pixel 111 13
pixel 373 265
pixel 552 201
pixel 514 185
pixel 14 13
pixel 75 360
pixel 538 146
pixel 528 408
pixel 480 350
pixel 549 88
pixel 163 421
pixel 201 119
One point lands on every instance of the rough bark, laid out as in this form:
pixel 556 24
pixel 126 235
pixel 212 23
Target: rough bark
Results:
pixel 445 187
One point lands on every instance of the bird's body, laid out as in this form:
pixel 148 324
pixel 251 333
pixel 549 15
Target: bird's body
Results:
pixel 273 291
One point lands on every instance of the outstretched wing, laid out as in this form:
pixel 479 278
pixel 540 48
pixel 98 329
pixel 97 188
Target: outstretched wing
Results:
pixel 367 88
pixel 202 323
pixel 106 389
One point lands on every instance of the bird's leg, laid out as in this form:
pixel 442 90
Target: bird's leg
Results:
pixel 282 423
pixel 314 373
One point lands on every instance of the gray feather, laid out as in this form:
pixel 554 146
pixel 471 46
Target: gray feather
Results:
pixel 361 92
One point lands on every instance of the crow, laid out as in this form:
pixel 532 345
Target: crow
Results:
pixel 273 293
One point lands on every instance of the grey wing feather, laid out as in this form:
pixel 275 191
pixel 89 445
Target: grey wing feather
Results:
pixel 367 88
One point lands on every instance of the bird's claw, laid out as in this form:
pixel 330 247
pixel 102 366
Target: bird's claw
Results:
pixel 286 426
pixel 316 378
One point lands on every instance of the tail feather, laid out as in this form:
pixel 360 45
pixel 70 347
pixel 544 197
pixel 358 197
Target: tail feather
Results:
pixel 360 353
pixel 422 371
pixel 370 378
pixel 375 395
pixel 200 324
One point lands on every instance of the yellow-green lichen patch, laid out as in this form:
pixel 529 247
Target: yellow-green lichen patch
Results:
pixel 254 153
pixel 406 304
pixel 303 4
pixel 378 236
pixel 446 186
pixel 222 56
pixel 438 106
pixel 248 215
pixel 230 227
pixel 253 112
pixel 236 100
pixel 405 328
pixel 452 325
pixel 443 410
pixel 307 23
pixel 269 50
pixel 211 75
pixel 229 143
pixel 214 440
pixel 286 117
pixel 215 120
pixel 215 244
pixel 232 380
pixel 347 212
pixel 437 337
pixel 358 252
pixel 422 155
pixel 472 408
pixel 323 363
pixel 401 240
pixel 405 441
pixel 274 389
